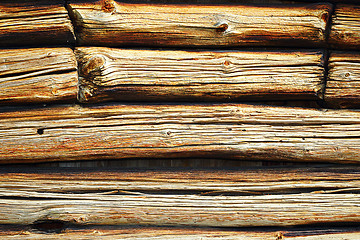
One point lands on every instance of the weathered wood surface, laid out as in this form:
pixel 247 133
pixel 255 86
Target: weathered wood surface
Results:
pixel 185 233
pixel 343 84
pixel 345 29
pixel 40 23
pixel 169 131
pixel 38 75
pixel 268 197
pixel 111 23
pixel 132 75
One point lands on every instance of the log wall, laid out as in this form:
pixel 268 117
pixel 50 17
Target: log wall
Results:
pixel 121 66
pixel 227 82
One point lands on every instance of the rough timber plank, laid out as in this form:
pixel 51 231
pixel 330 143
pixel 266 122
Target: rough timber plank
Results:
pixel 262 197
pixel 24 23
pixel 109 23
pixel 343 84
pixel 345 29
pixel 38 75
pixel 169 131
pixel 152 233
pixel 123 74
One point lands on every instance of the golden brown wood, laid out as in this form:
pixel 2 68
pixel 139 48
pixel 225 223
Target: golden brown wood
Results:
pixel 166 131
pixel 122 74
pixel 144 233
pixel 343 84
pixel 268 197
pixel 111 23
pixel 38 75
pixel 345 29
pixel 24 23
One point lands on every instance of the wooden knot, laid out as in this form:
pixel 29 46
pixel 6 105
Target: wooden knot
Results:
pixel 226 63
pixel 108 6
pixel 221 27
pixel 93 64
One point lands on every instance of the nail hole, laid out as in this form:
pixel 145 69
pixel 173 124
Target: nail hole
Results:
pixel 347 74
pixel 40 131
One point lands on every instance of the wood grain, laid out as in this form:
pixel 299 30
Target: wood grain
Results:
pixel 24 23
pixel 38 75
pixel 345 29
pixel 167 131
pixel 267 197
pixel 133 75
pixel 111 23
pixel 343 84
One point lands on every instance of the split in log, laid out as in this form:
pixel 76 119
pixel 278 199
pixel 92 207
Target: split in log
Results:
pixel 247 198
pixel 133 75
pixel 179 131
pixel 343 84
pixel 345 30
pixel 26 23
pixel 38 75
pixel 109 23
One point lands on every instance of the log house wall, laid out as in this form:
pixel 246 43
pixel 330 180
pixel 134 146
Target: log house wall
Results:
pixel 85 52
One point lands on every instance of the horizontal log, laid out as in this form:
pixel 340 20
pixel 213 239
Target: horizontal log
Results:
pixel 345 29
pixel 111 23
pixel 153 233
pixel 38 23
pixel 343 84
pixel 146 233
pixel 262 197
pixel 168 131
pixel 38 75
pixel 123 74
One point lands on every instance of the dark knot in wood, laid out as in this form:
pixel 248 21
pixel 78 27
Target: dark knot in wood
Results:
pixel 108 6
pixel 93 64
pixel 221 27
